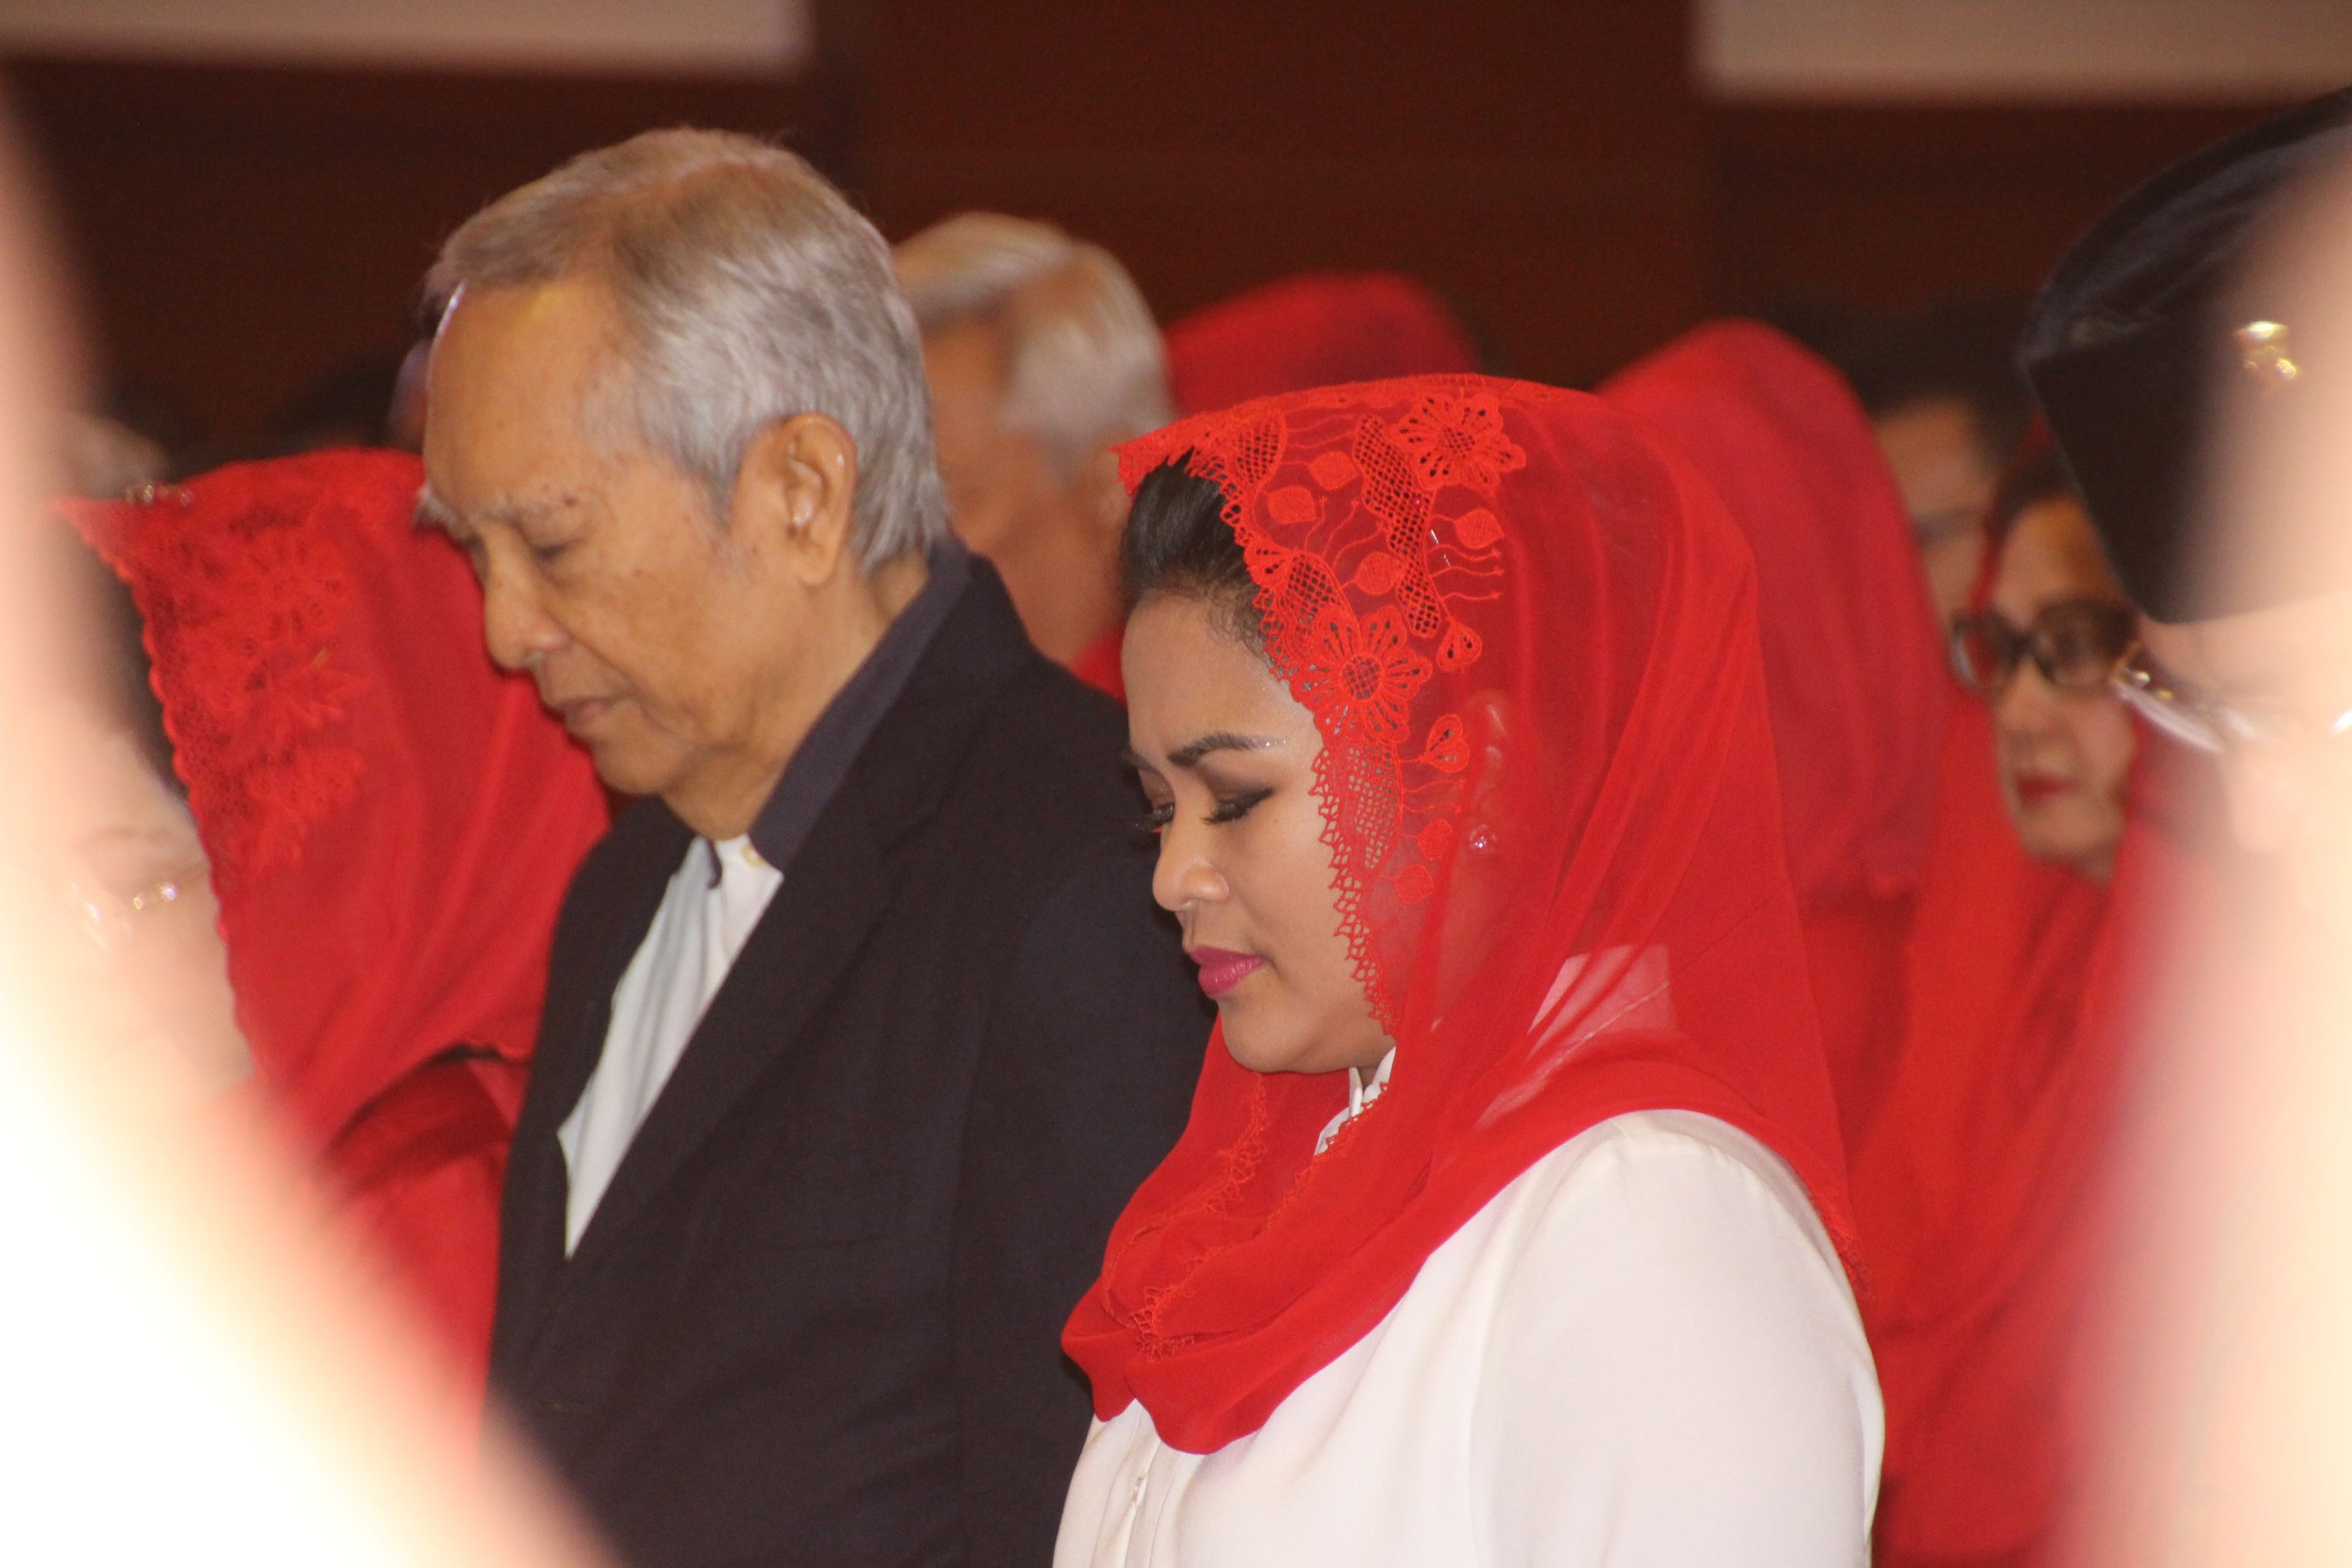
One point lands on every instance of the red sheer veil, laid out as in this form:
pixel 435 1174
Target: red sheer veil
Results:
pixel 391 821
pixel 1527 633
pixel 1851 660
pixel 1852 656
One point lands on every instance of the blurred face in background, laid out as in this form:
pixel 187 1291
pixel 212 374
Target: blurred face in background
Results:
pixel 1051 534
pixel 138 886
pixel 1937 452
pixel 2065 750
pixel 2289 670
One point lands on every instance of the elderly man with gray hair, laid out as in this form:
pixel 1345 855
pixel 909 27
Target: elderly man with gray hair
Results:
pixel 1042 357
pixel 860 1026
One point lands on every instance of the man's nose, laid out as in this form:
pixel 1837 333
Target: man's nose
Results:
pixel 516 628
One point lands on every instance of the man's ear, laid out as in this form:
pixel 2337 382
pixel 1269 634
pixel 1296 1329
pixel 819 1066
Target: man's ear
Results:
pixel 793 499
pixel 1101 493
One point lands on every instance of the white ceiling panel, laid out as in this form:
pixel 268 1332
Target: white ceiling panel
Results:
pixel 2152 51
pixel 734 38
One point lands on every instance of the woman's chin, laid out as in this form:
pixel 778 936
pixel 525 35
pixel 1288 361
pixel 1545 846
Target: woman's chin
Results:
pixel 2089 849
pixel 1261 1050
pixel 1251 1048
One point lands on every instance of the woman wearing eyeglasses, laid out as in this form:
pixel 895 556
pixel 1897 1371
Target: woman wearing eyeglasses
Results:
pixel 2039 648
pixel 1976 1182
pixel 335 835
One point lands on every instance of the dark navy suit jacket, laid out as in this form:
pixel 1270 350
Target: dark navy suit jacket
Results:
pixel 815 1317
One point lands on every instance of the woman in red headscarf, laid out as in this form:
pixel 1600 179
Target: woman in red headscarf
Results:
pixel 382 826
pixel 1502 1230
pixel 1314 330
pixel 1975 1184
pixel 1852 657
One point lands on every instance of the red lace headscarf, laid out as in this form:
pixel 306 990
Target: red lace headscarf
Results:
pixel 1315 330
pixel 390 821
pixel 1852 656
pixel 1527 633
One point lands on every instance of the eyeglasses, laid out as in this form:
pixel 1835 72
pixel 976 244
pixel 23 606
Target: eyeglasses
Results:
pixel 110 920
pixel 2198 718
pixel 2075 644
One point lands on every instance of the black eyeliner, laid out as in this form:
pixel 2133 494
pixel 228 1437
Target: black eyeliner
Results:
pixel 1232 808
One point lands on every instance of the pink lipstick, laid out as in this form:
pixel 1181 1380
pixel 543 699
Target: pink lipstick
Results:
pixel 1220 970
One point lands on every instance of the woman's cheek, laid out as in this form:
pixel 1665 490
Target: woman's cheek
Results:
pixel 2106 740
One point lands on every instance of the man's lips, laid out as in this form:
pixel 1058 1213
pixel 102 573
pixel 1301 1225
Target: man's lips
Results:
pixel 1222 970
pixel 582 712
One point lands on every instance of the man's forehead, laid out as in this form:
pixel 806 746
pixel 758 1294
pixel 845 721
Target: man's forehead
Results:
pixel 519 376
pixel 564 306
pixel 523 352
pixel 2280 649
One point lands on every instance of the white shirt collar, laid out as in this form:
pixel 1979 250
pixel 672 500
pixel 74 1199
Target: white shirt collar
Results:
pixel 1360 1094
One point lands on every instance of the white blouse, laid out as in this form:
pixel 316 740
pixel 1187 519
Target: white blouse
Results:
pixel 1641 1351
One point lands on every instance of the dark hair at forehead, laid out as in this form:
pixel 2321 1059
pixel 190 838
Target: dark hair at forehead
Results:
pixel 2035 477
pixel 1177 544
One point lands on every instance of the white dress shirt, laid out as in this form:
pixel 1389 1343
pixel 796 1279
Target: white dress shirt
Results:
pixel 1641 1351
pixel 713 900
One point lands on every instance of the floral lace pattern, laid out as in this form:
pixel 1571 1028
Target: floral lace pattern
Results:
pixel 241 608
pixel 1366 523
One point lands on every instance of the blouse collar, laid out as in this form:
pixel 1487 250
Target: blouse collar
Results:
pixel 1361 1095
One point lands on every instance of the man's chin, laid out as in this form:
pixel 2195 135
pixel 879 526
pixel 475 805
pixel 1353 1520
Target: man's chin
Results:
pixel 629 770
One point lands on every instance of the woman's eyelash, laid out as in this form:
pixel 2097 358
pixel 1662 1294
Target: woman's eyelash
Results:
pixel 1234 807
pixel 1230 808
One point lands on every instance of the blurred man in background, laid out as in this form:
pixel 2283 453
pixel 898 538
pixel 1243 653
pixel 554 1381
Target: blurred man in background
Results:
pixel 1042 356
pixel 2150 340
pixel 1950 410
pixel 2190 353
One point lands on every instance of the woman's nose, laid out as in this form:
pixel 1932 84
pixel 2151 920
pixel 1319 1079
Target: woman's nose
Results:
pixel 2027 704
pixel 1185 876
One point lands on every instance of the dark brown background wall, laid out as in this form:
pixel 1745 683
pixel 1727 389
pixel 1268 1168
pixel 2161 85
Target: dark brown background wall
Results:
pixel 242 229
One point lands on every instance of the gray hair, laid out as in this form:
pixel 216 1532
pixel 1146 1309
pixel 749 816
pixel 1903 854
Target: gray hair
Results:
pixel 1084 362
pixel 748 291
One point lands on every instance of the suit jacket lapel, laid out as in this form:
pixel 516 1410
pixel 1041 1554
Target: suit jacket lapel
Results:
pixel 830 899
pixel 533 1208
pixel 833 894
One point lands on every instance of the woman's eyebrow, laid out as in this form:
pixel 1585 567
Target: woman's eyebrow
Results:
pixel 1192 750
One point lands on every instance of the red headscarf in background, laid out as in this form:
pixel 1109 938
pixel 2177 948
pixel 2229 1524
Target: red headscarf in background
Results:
pixel 390 821
pixel 1527 633
pixel 1852 656
pixel 1316 330
pixel 1978 1181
